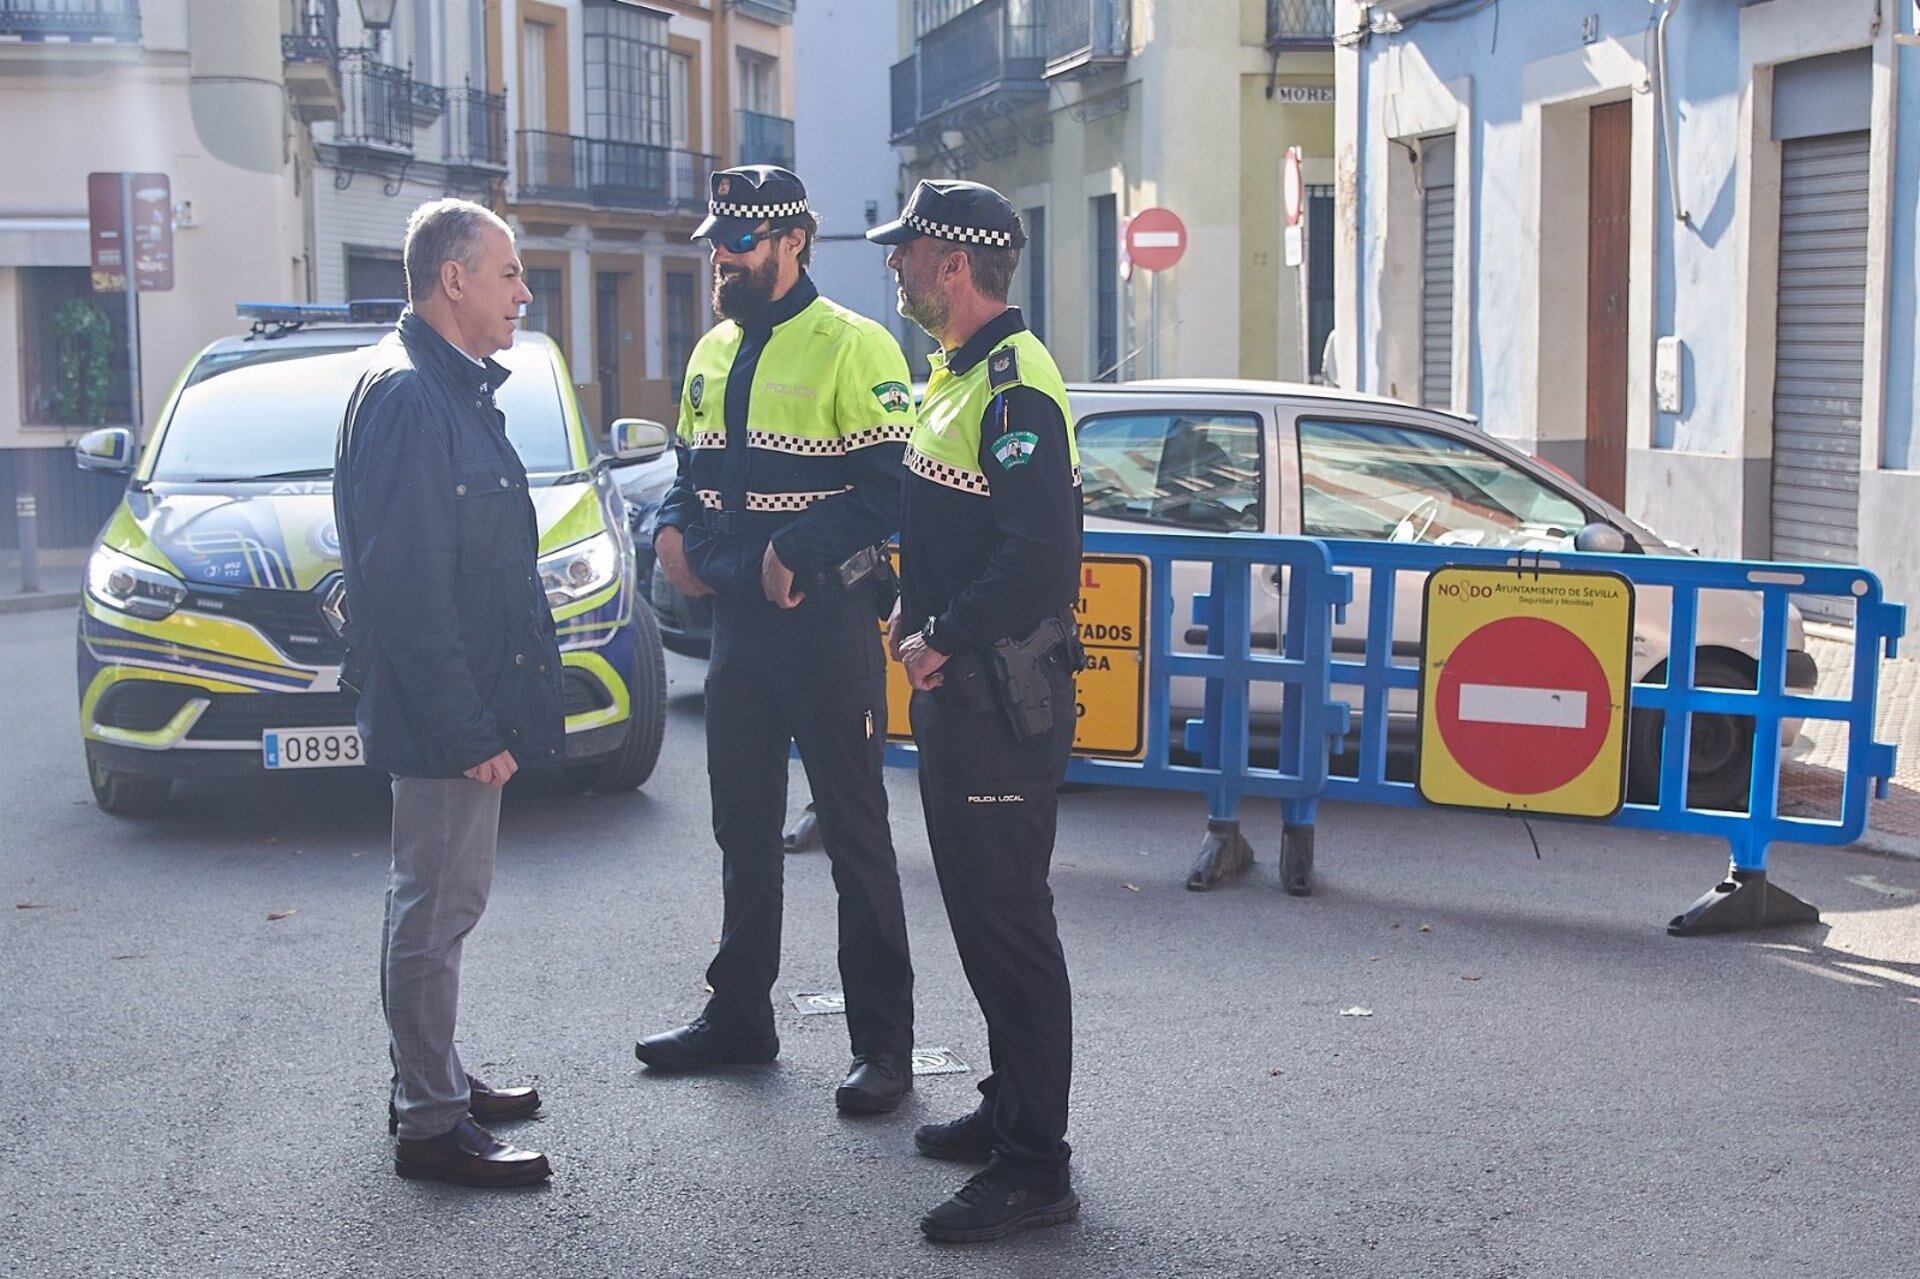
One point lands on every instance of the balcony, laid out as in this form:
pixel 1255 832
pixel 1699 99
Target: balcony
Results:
pixel 988 56
pixel 777 12
pixel 80 21
pixel 378 107
pixel 311 54
pixel 476 126
pixel 1299 24
pixel 566 169
pixel 1079 37
pixel 765 139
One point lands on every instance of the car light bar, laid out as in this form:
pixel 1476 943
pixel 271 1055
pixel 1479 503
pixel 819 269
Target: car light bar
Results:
pixel 359 311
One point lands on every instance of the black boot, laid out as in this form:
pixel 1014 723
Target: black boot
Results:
pixel 994 1205
pixel 700 1044
pixel 966 1140
pixel 875 1084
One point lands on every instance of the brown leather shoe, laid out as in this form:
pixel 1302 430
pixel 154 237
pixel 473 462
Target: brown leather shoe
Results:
pixel 490 1105
pixel 469 1155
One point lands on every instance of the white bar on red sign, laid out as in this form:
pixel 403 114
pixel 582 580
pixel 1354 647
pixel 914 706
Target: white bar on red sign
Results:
pixel 1156 239
pixel 1529 707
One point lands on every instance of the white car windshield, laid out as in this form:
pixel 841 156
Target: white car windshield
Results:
pixel 273 413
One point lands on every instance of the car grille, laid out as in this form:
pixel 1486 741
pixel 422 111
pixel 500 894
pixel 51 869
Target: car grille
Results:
pixel 141 705
pixel 242 717
pixel 291 619
pixel 580 694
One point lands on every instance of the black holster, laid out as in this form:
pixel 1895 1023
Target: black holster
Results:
pixel 1016 672
pixel 867 569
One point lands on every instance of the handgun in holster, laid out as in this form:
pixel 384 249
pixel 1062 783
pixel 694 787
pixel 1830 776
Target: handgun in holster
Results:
pixel 1017 672
pixel 867 568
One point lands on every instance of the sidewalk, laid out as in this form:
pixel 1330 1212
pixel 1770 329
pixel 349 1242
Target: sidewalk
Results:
pixel 60 569
pixel 1810 781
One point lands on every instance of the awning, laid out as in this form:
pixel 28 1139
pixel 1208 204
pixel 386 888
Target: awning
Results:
pixel 40 240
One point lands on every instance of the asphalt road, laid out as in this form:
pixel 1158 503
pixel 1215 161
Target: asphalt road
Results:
pixel 1547 1085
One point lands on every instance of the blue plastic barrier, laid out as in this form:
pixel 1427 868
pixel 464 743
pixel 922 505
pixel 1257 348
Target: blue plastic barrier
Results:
pixel 1745 899
pixel 1311 723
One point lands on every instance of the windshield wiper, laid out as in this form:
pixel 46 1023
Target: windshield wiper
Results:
pixel 305 473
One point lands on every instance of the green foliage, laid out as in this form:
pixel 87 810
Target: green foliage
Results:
pixel 83 390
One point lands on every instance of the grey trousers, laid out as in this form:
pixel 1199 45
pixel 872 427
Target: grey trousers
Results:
pixel 444 835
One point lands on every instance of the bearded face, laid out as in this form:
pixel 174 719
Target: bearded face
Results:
pixel 921 299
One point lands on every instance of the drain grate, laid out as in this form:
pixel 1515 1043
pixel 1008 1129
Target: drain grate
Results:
pixel 818 1003
pixel 938 1061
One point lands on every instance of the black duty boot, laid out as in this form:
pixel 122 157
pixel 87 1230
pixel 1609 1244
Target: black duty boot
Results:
pixel 875 1084
pixel 993 1205
pixel 700 1044
pixel 966 1140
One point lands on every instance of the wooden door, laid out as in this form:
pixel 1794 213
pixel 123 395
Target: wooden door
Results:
pixel 1609 247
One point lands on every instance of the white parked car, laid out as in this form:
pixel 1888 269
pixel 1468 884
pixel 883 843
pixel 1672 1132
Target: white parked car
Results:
pixel 1238 456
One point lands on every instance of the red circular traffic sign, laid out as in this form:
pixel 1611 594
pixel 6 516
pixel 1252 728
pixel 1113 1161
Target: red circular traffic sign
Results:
pixel 1523 705
pixel 1155 239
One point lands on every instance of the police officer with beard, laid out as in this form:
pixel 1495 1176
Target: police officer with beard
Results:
pixel 990 558
pixel 793 422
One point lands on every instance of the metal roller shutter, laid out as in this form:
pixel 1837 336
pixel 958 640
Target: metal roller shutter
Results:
pixel 1819 364
pixel 1436 274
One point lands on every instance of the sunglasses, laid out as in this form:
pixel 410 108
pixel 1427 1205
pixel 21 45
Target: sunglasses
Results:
pixel 745 240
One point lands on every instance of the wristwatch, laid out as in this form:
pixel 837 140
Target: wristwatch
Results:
pixel 926 633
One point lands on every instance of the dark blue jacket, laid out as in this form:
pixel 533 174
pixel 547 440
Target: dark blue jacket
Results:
pixel 450 640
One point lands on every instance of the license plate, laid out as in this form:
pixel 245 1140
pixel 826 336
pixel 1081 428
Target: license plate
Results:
pixel 311 748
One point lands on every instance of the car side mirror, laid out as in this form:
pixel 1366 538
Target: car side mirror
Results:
pixel 637 439
pixel 110 450
pixel 1603 539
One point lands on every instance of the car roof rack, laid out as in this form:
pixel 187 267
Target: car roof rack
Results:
pixel 277 319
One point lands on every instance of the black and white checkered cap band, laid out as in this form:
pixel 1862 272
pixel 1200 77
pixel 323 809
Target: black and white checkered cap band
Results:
pixel 962 234
pixel 791 209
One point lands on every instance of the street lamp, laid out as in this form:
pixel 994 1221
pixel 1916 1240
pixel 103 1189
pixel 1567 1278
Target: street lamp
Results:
pixel 377 16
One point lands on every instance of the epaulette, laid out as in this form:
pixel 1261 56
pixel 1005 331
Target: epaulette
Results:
pixel 1003 369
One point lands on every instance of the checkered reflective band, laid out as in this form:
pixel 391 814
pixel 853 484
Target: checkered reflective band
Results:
pixel 950 476
pixel 710 498
pixel 709 440
pixel 722 209
pixel 962 234
pixel 885 433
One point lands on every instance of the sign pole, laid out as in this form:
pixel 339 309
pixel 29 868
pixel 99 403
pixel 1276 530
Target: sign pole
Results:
pixel 133 305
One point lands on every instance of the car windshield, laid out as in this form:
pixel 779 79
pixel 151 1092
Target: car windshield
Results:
pixel 272 413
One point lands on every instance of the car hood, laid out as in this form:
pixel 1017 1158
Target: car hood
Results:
pixel 283 537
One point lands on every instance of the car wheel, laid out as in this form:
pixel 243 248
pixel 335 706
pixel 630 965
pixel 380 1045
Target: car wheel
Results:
pixel 1719 756
pixel 124 794
pixel 629 767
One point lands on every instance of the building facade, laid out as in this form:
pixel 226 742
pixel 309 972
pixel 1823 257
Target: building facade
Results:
pixel 1084 112
pixel 1670 248
pixel 192 89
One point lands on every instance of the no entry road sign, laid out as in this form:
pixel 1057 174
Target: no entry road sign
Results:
pixel 1155 239
pixel 1524 690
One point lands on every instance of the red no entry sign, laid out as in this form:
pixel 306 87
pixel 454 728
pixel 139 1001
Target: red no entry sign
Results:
pixel 1155 239
pixel 1524 690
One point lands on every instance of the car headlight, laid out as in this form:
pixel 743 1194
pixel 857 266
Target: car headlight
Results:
pixel 577 571
pixel 121 582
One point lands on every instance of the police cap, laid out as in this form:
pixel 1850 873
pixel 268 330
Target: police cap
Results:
pixel 966 212
pixel 740 199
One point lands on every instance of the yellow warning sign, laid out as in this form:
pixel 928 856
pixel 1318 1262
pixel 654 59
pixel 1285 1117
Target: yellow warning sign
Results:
pixel 1523 690
pixel 1111 691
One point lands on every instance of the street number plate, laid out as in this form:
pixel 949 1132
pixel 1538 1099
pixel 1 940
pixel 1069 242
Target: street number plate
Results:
pixel 311 748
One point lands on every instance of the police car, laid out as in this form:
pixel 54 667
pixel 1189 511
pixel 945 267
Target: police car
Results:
pixel 209 640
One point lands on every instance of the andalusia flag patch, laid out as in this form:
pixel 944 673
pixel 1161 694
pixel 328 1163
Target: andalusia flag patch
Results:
pixel 893 396
pixel 1015 448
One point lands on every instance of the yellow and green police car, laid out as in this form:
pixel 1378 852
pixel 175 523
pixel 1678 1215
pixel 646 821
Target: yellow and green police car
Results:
pixel 209 641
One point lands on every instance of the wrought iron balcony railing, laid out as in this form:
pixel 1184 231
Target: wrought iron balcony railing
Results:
pixel 378 104
pixel 992 51
pixel 619 175
pixel 89 19
pixel 316 33
pixel 1298 24
pixel 765 139
pixel 1082 34
pixel 476 125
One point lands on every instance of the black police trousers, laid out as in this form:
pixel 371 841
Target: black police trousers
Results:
pixel 991 803
pixel 812 676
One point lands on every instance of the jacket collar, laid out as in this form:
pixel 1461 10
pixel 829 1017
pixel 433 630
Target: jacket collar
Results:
pixel 426 345
pixel 985 338
pixel 786 306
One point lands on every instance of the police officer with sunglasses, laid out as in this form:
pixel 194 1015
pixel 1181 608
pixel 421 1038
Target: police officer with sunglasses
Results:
pixel 793 423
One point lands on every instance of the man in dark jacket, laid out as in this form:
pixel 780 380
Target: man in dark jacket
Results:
pixel 451 647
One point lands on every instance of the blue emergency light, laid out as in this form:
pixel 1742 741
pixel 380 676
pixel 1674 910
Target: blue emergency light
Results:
pixel 290 314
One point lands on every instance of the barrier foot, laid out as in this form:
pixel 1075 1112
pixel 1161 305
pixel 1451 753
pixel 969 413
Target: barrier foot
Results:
pixel 1744 901
pixel 1224 855
pixel 804 833
pixel 1296 861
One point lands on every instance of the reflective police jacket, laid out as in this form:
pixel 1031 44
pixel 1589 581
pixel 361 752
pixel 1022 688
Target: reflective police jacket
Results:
pixel 791 432
pixel 990 526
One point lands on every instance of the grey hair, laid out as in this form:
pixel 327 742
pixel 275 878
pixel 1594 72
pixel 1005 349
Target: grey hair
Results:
pixel 442 231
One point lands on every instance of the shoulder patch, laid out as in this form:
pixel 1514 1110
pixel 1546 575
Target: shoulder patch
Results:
pixel 1003 369
pixel 696 389
pixel 1015 448
pixel 894 397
